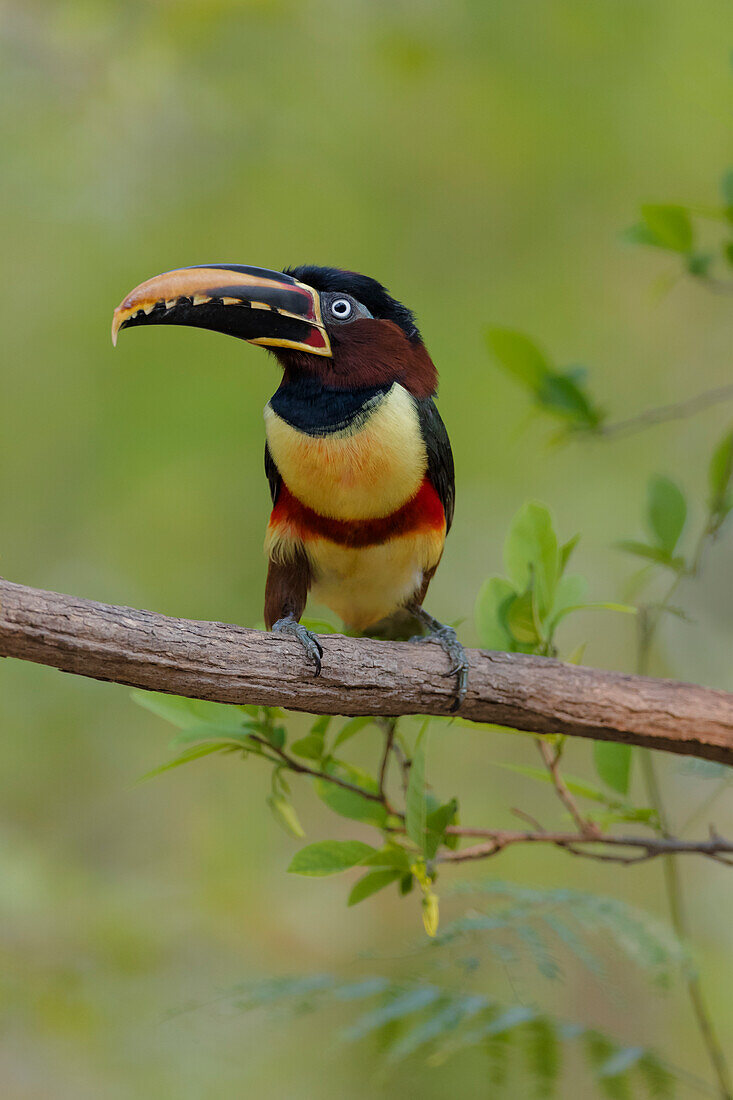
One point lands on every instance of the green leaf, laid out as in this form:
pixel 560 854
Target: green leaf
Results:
pixel 187 757
pixel 570 592
pixel 188 714
pixel 613 764
pixel 329 857
pixel 651 553
pixel 520 618
pixel 353 726
pixel 543 1055
pixel 699 263
pixel 437 822
pixel 391 855
pixel 666 512
pixel 726 190
pixel 576 786
pixel 371 883
pixel 438 1024
pixel 670 226
pixel 202 733
pixel 621 1061
pixel 531 554
pixel 349 803
pixel 404 1005
pixel 518 355
pixel 415 805
pixel 494 597
pixel 561 394
pixel 565 551
pixel 576 656
pixel 639 234
pixel 284 813
pixel 511 1018
pixel 720 475
pixel 313 745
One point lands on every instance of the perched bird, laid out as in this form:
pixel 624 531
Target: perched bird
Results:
pixel 358 459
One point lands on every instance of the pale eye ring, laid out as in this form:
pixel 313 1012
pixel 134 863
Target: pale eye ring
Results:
pixel 341 308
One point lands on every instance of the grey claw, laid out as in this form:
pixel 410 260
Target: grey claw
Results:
pixel 447 639
pixel 308 640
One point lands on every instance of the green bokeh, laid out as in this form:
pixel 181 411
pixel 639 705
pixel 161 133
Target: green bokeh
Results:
pixel 478 157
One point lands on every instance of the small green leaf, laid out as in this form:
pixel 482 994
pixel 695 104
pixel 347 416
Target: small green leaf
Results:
pixel 621 1061
pixel 561 394
pixel 391 855
pixel 329 857
pixel 437 822
pixel 720 476
pixel 202 733
pixel 651 553
pixel 353 726
pixel 414 1000
pixel 415 807
pixel 349 803
pixel 565 551
pixel 670 226
pixel 576 656
pixel 639 234
pixel 187 757
pixel 726 190
pixel 613 764
pixel 284 813
pixel 371 883
pixel 699 263
pixel 490 611
pixel 192 713
pixel 666 512
pixel 430 913
pixel 518 355
pixel 575 785
pixel 520 619
pixel 531 554
pixel 311 746
pixel 571 591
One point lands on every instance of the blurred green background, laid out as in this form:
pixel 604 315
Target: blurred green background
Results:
pixel 480 158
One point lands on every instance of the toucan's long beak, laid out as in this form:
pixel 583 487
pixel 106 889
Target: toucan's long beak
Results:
pixel 261 306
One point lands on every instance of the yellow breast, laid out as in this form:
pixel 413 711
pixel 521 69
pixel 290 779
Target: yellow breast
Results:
pixel 361 474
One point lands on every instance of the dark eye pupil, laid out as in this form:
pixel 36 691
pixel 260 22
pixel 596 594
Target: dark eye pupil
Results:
pixel 342 308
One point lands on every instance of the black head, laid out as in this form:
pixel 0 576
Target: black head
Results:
pixel 370 293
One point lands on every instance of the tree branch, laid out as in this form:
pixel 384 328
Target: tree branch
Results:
pixel 231 664
pixel 647 847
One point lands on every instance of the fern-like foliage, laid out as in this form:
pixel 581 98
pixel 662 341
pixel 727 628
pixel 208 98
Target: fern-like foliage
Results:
pixel 538 921
pixel 435 1022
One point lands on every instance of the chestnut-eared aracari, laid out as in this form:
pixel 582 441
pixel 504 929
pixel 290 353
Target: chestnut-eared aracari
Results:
pixel 357 457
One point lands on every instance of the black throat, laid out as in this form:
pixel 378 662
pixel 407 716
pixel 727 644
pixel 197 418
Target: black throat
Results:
pixel 315 409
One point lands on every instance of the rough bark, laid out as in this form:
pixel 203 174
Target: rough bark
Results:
pixel 231 664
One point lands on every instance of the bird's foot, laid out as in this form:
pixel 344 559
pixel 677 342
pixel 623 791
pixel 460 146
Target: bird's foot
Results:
pixel 447 639
pixel 293 629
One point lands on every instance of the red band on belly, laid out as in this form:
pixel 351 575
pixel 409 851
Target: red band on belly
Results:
pixel 423 511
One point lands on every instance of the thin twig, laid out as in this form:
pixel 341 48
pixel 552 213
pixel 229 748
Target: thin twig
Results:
pixel 389 726
pixel 552 762
pixel 648 847
pixel 303 769
pixel 659 415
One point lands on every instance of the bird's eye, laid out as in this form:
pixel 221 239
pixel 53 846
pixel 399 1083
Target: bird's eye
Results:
pixel 341 308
